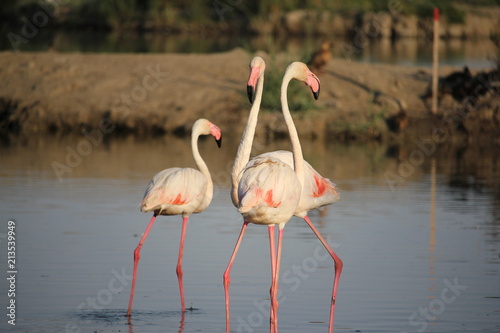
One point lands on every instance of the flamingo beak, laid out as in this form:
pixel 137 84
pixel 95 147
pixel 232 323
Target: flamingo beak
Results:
pixel 313 82
pixel 250 93
pixel 252 83
pixel 316 94
pixel 216 133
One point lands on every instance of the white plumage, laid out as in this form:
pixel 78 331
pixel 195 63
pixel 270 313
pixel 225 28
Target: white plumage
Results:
pixel 268 191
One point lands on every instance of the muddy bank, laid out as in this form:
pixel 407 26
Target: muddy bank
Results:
pixel 158 94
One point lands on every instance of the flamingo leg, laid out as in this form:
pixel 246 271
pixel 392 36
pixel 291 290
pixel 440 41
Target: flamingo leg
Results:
pixel 130 325
pixel 276 280
pixel 179 262
pixel 137 256
pixel 181 324
pixel 227 277
pixel 272 250
pixel 338 271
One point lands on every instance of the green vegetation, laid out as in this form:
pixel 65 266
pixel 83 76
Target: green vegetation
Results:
pixel 177 14
pixel 425 9
pixel 300 98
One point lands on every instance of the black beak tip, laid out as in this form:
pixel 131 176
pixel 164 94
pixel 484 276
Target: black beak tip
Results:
pixel 219 142
pixel 250 93
pixel 316 94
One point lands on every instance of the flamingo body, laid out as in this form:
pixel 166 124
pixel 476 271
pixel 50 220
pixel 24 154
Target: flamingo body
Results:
pixel 317 191
pixel 176 191
pixel 268 191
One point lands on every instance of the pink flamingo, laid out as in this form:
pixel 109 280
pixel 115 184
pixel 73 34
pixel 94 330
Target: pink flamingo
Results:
pixel 178 191
pixel 317 191
pixel 241 186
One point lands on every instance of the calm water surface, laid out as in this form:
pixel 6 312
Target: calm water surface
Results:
pixel 476 53
pixel 418 257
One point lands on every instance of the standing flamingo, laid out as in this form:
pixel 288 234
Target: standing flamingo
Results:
pixel 259 198
pixel 317 191
pixel 178 191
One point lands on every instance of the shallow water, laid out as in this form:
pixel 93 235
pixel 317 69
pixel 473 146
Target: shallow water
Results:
pixel 476 53
pixel 418 258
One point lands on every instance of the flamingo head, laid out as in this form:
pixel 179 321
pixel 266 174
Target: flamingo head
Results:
pixel 257 68
pixel 301 72
pixel 205 127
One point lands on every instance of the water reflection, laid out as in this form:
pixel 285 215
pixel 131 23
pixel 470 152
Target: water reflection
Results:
pixel 467 169
pixel 407 51
pixel 182 322
pixel 432 234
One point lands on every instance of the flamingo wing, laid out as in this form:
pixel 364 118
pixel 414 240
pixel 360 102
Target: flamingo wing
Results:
pixel 175 191
pixel 268 191
pixel 317 191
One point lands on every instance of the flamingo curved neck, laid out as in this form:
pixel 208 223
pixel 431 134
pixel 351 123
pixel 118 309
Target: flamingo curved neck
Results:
pixel 245 147
pixel 298 159
pixel 202 166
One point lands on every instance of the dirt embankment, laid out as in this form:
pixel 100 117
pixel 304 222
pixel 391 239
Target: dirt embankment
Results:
pixel 148 94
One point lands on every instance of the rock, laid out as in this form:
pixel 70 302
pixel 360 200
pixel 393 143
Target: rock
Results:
pixel 341 26
pixel 455 31
pixel 405 26
pixel 294 21
pixel 377 25
pixel 261 27
pixel 323 25
pixel 477 26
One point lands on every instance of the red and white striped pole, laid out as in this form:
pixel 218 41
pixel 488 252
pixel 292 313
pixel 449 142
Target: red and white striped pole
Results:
pixel 435 62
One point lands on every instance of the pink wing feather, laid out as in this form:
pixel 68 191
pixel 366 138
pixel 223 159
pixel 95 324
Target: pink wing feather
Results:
pixel 317 190
pixel 268 191
pixel 175 191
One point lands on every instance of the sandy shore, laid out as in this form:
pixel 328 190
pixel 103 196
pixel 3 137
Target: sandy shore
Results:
pixel 164 93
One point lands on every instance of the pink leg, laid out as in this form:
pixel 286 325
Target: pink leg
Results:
pixel 272 250
pixel 227 272
pixel 338 271
pixel 179 262
pixel 276 280
pixel 130 325
pixel 137 256
pixel 181 325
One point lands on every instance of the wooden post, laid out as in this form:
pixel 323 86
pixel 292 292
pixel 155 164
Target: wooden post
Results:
pixel 435 62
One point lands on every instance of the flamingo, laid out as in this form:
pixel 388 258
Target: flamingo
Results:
pixel 269 205
pixel 178 191
pixel 317 191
